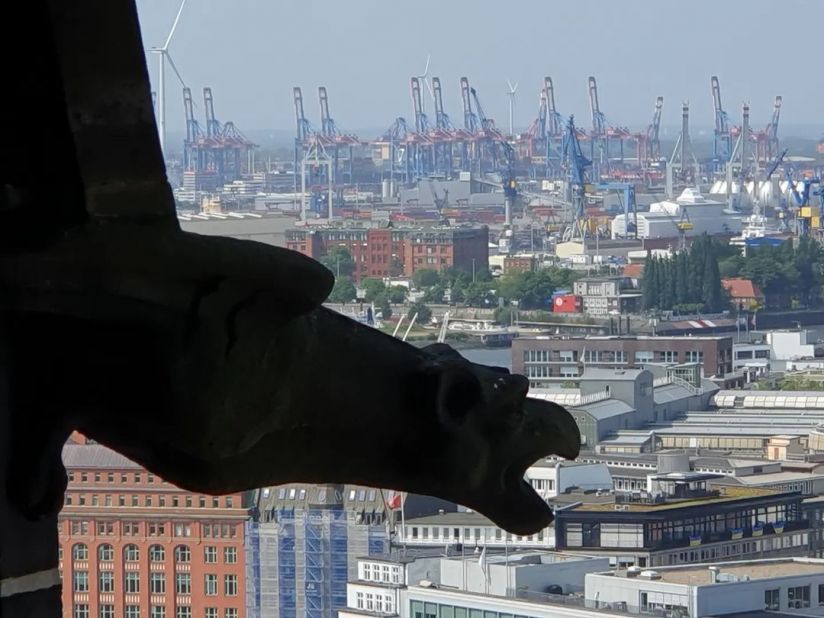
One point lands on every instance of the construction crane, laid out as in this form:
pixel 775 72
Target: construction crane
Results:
pixel 575 166
pixel 722 134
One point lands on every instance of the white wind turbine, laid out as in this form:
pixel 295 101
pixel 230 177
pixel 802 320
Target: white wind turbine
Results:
pixel 423 78
pixel 511 94
pixel 163 56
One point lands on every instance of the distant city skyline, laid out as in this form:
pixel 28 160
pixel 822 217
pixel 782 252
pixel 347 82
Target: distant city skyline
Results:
pixel 253 52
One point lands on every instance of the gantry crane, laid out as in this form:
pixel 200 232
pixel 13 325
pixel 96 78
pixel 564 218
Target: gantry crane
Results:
pixel 648 143
pixel 575 165
pixel 767 144
pixel 335 139
pixel 722 134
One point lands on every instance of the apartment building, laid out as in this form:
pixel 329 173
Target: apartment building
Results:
pixel 135 546
pixel 544 357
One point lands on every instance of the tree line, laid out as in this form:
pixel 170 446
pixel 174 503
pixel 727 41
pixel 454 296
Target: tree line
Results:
pixel 687 281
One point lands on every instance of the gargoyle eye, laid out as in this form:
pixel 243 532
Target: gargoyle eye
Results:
pixel 459 393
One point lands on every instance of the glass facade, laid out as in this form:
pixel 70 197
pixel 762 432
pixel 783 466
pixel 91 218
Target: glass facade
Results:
pixel 421 609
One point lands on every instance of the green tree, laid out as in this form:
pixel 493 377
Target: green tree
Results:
pixel 649 291
pixel 372 289
pixel 682 278
pixel 714 295
pixel 339 261
pixel 343 291
pixel 383 305
pixel 479 294
pixel 425 278
pixel 424 313
pixel 397 294
pixel 434 294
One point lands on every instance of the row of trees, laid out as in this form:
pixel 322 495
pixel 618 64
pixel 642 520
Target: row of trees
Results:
pixel 788 275
pixel 687 281
pixel 531 290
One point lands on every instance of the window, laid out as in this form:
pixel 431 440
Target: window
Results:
pixel 134 501
pixel 201 502
pixel 81 499
pixel 105 528
pixel 772 598
pixel 183 611
pixel 95 500
pixel 105 553
pixel 210 554
pixel 157 583
pixel 132 582
pixel 110 477
pixel 157 553
pixel 230 555
pixel 81 610
pixel 644 356
pixel 150 478
pixel 131 553
pixel 81 581
pixel 147 501
pixel 183 583
pixel 821 594
pixel 84 478
pixel 132 611
pixel 131 528
pixel 161 501
pixel 231 612
pixel 68 499
pixel 359 600
pixel 188 501
pixel 107 611
pixel 668 356
pixel 798 597
pixel 157 611
pixel 156 529
pixel 121 500
pixel 591 356
pixel 183 529
pixel 211 612
pixel 211 585
pixel 106 581
pixel 80 551
pixel 183 553
pixel 230 585
pixel 123 478
pixel 80 528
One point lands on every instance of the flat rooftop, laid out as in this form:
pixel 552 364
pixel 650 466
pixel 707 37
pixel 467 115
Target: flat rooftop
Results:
pixel 699 575
pixel 730 493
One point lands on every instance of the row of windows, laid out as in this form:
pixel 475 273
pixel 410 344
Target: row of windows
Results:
pixel 419 609
pixel 612 356
pixel 375 602
pixel 122 477
pixel 135 528
pixel 82 499
pixel 380 573
pixel 476 534
pixel 157 583
pixel 81 610
pixel 731 551
pixel 157 553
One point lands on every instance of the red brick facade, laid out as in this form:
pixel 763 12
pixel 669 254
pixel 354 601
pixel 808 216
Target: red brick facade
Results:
pixel 134 546
pixel 387 252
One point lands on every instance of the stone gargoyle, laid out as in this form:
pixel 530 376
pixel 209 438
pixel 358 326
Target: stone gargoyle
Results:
pixel 211 361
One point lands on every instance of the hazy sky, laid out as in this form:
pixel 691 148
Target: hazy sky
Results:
pixel 251 52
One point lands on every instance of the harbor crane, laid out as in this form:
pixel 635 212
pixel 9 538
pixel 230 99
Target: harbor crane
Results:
pixel 767 144
pixel 648 143
pixel 723 132
pixel 334 138
pixel 575 166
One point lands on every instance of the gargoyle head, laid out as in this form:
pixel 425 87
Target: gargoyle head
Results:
pixel 484 411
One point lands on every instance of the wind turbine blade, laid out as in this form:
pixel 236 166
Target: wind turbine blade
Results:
pixel 174 25
pixel 514 88
pixel 174 68
pixel 426 69
pixel 509 83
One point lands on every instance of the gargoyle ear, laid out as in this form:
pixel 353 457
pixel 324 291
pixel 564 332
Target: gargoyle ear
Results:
pixel 459 391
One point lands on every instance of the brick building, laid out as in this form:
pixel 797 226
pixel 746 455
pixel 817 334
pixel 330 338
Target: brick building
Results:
pixel 386 252
pixel 135 546
pixel 565 357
